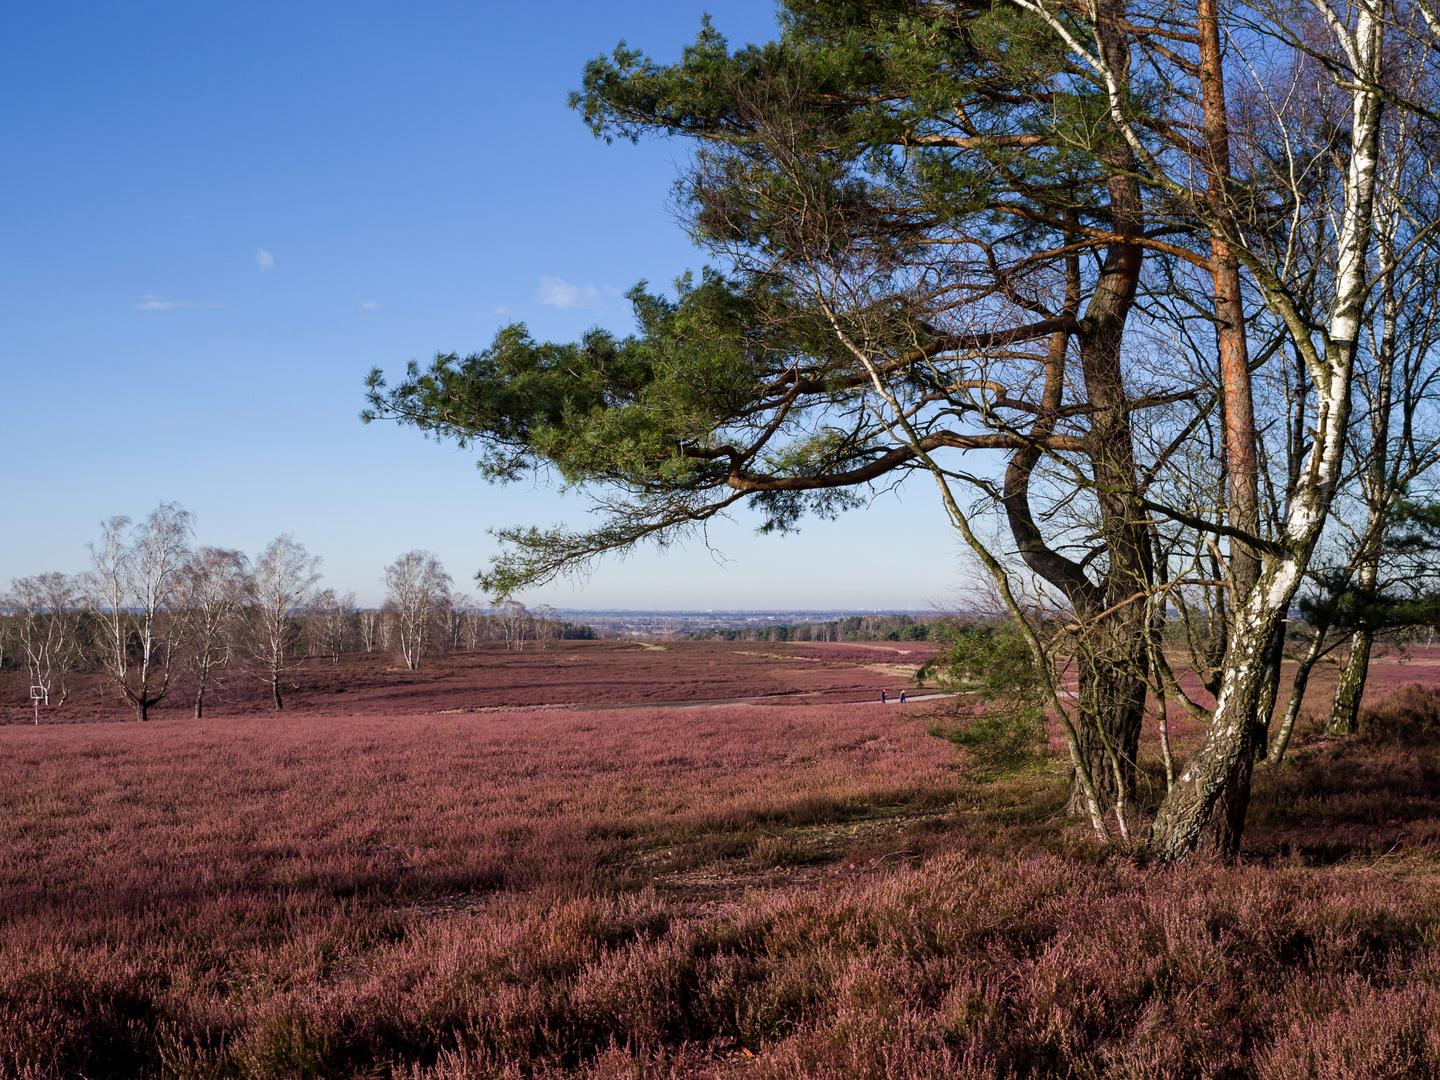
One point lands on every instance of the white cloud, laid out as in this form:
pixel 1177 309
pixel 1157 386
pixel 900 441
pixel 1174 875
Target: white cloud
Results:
pixel 501 309
pixel 557 292
pixel 159 303
pixel 369 305
pixel 265 259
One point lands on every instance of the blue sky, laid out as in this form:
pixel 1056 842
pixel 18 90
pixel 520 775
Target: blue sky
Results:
pixel 216 218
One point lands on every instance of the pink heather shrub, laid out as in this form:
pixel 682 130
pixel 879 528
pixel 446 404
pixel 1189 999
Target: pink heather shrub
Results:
pixel 740 891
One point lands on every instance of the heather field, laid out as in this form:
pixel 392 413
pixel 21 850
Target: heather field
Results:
pixel 585 673
pixel 477 874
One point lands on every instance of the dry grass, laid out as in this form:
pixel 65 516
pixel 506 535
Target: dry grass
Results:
pixel 796 892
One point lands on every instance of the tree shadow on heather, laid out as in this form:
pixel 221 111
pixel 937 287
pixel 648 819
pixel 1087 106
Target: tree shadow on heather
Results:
pixel 1371 795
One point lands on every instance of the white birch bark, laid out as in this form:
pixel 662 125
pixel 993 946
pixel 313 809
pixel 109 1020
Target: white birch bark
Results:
pixel 415 585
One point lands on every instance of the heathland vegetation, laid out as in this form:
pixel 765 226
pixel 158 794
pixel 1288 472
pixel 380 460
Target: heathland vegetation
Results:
pixel 1149 293
pixel 427 877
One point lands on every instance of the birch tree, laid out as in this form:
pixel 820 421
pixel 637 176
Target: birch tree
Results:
pixel 1396 442
pixel 132 589
pixel 210 602
pixel 416 585
pixel 513 618
pixel 277 592
pixel 44 625
pixel 329 623
pixel 455 616
pixel 370 621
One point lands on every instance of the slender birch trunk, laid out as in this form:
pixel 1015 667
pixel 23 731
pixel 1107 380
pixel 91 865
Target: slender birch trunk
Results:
pixel 1297 697
pixel 1345 708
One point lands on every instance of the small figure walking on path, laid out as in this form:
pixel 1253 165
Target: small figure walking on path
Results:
pixel 882 697
pixel 902 697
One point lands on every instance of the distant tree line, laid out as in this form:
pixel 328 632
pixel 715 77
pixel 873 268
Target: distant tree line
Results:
pixel 155 612
pixel 853 628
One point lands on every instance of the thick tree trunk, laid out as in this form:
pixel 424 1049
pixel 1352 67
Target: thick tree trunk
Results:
pixel 275 690
pixel 200 702
pixel 1205 810
pixel 1227 824
pixel 1113 656
pixel 1241 459
pixel 1117 644
pixel 1112 689
pixel 1345 709
pixel 1217 773
pixel 1222 838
